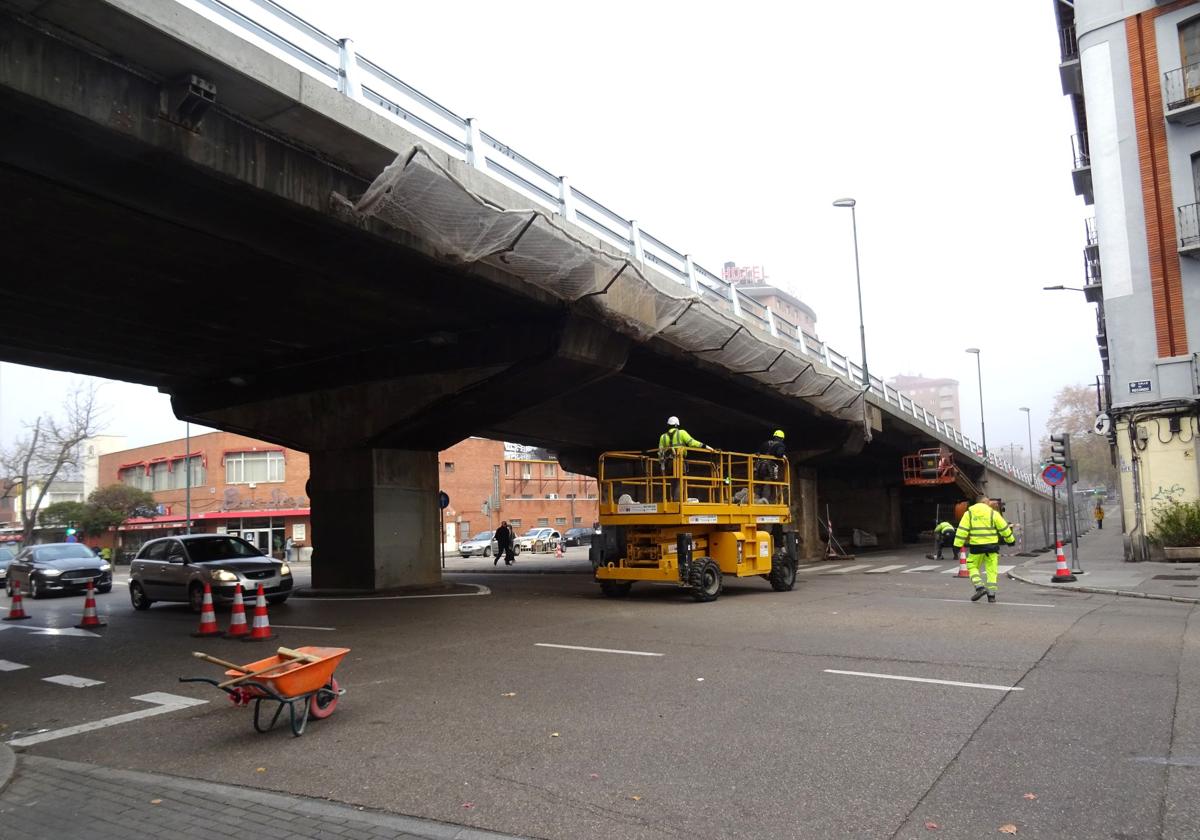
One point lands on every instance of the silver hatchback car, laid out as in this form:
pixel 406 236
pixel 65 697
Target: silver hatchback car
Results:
pixel 176 569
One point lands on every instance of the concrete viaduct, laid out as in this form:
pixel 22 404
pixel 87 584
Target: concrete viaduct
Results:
pixel 179 211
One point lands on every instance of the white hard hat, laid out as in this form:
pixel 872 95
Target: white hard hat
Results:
pixel 672 420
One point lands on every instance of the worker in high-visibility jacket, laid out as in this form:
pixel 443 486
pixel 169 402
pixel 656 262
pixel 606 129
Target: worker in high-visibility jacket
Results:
pixel 944 532
pixel 981 530
pixel 672 439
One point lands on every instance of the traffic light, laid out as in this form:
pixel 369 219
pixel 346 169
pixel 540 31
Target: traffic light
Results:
pixel 1060 449
pixel 71 529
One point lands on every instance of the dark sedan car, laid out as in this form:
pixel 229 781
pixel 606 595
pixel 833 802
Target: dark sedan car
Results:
pixel 176 569
pixel 6 556
pixel 57 567
pixel 578 536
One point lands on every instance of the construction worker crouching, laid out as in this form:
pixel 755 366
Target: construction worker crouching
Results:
pixel 944 532
pixel 981 530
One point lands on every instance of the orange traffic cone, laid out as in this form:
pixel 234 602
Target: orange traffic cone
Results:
pixel 262 625
pixel 962 563
pixel 90 620
pixel 208 617
pixel 16 610
pixel 1062 573
pixel 237 620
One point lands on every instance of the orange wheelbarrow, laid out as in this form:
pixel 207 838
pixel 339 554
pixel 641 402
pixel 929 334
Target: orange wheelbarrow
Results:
pixel 299 680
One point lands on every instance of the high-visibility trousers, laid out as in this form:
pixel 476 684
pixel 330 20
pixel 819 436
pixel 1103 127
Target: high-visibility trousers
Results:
pixel 990 563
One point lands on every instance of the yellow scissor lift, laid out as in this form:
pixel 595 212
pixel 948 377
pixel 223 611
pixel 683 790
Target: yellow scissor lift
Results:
pixel 691 517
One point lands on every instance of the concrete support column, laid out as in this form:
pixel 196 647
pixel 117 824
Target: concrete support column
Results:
pixel 375 519
pixel 805 515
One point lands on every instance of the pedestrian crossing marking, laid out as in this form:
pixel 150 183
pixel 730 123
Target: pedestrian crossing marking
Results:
pixel 902 568
pixel 920 569
pixel 814 568
pixel 847 570
pixel 73 682
pixel 883 569
pixel 1003 570
pixel 5 665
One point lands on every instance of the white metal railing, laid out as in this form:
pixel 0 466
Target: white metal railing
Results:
pixel 334 61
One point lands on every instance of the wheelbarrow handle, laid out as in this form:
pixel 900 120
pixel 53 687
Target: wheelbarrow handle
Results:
pixel 223 663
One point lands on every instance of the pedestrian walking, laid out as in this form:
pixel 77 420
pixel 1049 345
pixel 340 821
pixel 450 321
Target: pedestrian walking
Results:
pixel 1099 514
pixel 981 530
pixel 504 544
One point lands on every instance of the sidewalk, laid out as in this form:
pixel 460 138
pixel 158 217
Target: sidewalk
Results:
pixel 1107 573
pixel 70 801
pixel 573 562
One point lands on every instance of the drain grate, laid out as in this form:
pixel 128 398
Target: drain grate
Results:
pixel 1176 577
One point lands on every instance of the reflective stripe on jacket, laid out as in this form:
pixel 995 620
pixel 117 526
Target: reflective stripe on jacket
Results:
pixel 677 437
pixel 983 525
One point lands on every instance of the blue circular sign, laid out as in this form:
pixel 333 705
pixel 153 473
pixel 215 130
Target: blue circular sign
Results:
pixel 443 500
pixel 1054 475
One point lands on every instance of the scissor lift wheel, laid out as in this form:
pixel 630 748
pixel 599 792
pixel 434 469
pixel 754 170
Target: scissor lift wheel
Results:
pixel 705 579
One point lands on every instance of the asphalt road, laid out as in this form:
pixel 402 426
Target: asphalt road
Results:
pixel 457 711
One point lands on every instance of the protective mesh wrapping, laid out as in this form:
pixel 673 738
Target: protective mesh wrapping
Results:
pixel 418 195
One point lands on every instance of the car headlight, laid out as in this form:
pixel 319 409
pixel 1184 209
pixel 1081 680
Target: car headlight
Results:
pixel 49 572
pixel 105 567
pixel 285 569
pixel 224 576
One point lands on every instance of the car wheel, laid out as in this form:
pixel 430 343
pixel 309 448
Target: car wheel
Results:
pixel 276 599
pixel 103 590
pixel 35 591
pixel 137 597
pixel 196 597
pixel 487 552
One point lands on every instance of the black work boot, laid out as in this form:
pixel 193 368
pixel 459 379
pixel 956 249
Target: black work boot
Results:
pixel 979 593
pixel 496 560
pixel 991 597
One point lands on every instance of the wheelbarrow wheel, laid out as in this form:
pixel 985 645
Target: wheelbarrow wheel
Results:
pixel 324 701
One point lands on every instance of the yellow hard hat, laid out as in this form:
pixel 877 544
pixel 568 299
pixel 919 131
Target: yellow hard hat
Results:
pixel 778 434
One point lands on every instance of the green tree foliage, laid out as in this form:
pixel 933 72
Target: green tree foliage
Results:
pixel 1075 414
pixel 61 514
pixel 107 507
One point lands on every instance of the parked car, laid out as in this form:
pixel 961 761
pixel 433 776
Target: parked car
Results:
pixel 539 539
pixel 6 556
pixel 57 567
pixel 578 536
pixel 482 543
pixel 176 569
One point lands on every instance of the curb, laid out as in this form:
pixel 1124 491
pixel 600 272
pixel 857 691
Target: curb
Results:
pixel 1098 590
pixel 8 765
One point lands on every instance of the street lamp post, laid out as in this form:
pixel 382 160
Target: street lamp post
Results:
pixel 982 425
pixel 1029 429
pixel 862 330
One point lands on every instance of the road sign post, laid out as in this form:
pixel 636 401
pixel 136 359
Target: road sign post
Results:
pixel 1054 475
pixel 443 503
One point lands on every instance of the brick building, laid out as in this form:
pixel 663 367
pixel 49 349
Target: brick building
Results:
pixel 489 481
pixel 239 485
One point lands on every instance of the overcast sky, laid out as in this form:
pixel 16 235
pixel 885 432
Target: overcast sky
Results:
pixel 728 129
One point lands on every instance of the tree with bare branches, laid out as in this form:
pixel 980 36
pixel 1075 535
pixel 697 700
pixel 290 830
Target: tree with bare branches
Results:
pixel 49 450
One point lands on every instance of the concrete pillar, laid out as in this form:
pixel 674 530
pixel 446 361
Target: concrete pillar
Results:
pixel 805 515
pixel 375 519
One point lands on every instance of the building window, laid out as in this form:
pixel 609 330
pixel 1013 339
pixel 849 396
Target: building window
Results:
pixel 526 472
pixel 515 524
pixel 464 530
pixel 543 522
pixel 578 521
pixel 253 467
pixel 570 495
pixel 507 469
pixel 448 466
pixel 133 477
pixel 526 495
pixel 548 470
pixel 160 476
pixel 179 472
pixel 560 520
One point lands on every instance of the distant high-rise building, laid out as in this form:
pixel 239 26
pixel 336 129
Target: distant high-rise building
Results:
pixel 937 395
pixel 753 282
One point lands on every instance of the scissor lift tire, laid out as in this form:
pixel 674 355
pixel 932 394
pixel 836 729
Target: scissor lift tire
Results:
pixel 705 579
pixel 615 589
pixel 783 572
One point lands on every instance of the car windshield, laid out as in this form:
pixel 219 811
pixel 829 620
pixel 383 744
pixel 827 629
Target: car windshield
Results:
pixel 220 548
pixel 533 532
pixel 50 553
pixel 483 535
pixel 6 554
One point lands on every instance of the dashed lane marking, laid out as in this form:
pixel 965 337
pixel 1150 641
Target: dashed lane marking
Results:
pixel 883 569
pixel 925 680
pixel 73 682
pixel 5 665
pixel 163 703
pixel 597 650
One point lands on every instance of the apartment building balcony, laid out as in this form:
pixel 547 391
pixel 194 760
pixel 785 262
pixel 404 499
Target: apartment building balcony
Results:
pixel 1092 289
pixel 1081 173
pixel 1181 90
pixel 1187 221
pixel 1068 69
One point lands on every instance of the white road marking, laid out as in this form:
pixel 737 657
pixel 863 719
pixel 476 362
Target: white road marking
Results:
pixel 301 627
pixel 58 631
pixel 481 590
pixel 163 703
pixel 998 603
pixel 73 682
pixel 814 568
pixel 883 570
pixel 925 680
pixel 596 650
pixel 5 665
pixel 1003 570
pixel 951 571
pixel 921 569
pixel 847 570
